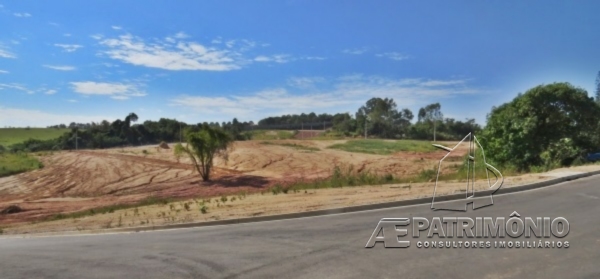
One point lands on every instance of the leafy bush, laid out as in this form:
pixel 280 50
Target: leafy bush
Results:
pixel 532 129
pixel 561 153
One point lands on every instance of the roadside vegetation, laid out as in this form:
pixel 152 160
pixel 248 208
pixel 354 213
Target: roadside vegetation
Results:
pixel 347 176
pixel 109 209
pixel 548 126
pixel 384 147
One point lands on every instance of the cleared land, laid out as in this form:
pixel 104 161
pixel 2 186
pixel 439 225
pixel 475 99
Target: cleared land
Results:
pixel 10 136
pixel 129 186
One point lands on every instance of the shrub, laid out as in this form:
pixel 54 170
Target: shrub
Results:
pixel 276 189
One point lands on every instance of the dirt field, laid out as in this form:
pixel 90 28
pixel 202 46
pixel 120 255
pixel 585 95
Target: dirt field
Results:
pixel 80 180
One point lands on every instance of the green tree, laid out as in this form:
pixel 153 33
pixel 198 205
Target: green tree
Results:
pixel 202 146
pixel 132 117
pixel 556 122
pixel 430 116
pixel 383 118
pixel 344 123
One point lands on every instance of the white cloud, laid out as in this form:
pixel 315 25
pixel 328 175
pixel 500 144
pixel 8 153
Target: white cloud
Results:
pixel 15 86
pixel 308 94
pixel 355 51
pixel 50 92
pixel 60 68
pixel 67 34
pixel 68 47
pixel 393 55
pixel 257 104
pixel 278 58
pixel 313 58
pixel 304 82
pixel 116 27
pixel 181 35
pixel 4 53
pixel 174 55
pixel 16 117
pixel 109 65
pixel 22 14
pixel 117 91
pixel 97 36
pixel 72 101
pixel 4 72
pixel 432 83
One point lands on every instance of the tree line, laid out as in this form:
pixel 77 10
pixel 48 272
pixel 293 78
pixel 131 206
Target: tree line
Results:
pixel 380 117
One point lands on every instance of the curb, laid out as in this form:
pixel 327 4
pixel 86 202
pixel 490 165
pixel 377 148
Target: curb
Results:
pixel 322 212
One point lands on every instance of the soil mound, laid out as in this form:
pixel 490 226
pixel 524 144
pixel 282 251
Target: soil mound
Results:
pixel 163 145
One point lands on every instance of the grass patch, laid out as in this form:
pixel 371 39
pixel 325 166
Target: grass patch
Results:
pixel 270 134
pixel 13 163
pixel 10 136
pixel 342 177
pixel 292 145
pixel 109 209
pixel 384 147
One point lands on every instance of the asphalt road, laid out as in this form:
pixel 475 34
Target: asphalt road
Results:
pixel 321 247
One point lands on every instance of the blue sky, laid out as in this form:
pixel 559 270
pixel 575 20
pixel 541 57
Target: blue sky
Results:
pixel 83 61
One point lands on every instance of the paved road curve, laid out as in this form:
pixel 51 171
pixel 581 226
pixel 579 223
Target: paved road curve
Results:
pixel 320 247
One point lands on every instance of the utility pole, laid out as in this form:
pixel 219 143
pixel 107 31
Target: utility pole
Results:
pixel 365 128
pixel 76 140
pixel 180 132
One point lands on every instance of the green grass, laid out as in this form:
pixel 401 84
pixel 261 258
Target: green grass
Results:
pixel 293 145
pixel 341 177
pixel 384 147
pixel 13 163
pixel 271 134
pixel 10 136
